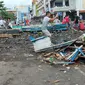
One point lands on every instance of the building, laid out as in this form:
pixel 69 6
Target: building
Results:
pixel 62 7
pixel 22 11
pixel 81 8
pixel 42 7
pixel 69 7
pixel 9 10
pixel 34 7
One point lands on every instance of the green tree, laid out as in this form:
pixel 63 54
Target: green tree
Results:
pixel 2 8
pixel 4 13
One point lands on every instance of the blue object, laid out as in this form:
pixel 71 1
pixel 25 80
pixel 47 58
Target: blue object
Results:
pixel 75 54
pixel 54 27
pixel 31 38
pixel 36 39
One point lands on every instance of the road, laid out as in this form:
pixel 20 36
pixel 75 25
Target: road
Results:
pixel 19 65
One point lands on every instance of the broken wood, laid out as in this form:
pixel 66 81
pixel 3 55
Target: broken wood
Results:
pixel 48 54
pixel 58 56
pixel 56 81
pixel 5 35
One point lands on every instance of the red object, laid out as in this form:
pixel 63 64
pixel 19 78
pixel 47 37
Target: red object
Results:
pixel 67 19
pixel 81 25
pixel 64 21
pixel 27 22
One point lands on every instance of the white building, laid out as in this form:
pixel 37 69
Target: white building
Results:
pixel 22 11
pixel 63 6
pixel 43 6
pixel 66 6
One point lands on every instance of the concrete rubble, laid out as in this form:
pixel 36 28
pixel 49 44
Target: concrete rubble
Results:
pixel 48 67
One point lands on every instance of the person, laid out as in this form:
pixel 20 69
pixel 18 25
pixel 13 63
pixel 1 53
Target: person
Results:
pixel 45 23
pixel 27 22
pixel 67 18
pixel 81 25
pixel 2 22
pixel 81 17
pixel 64 21
pixel 25 18
pixel 76 21
pixel 57 21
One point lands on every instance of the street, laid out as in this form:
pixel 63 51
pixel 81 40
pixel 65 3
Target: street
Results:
pixel 42 42
pixel 19 65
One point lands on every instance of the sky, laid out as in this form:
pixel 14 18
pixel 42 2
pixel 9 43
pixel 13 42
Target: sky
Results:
pixel 13 3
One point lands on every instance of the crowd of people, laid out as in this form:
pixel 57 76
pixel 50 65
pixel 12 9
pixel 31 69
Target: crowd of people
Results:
pixel 78 22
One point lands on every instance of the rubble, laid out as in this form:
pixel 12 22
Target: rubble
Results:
pixel 66 51
pixel 67 54
pixel 64 57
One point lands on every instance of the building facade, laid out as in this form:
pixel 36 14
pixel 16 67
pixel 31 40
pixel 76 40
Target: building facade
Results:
pixel 22 11
pixel 62 7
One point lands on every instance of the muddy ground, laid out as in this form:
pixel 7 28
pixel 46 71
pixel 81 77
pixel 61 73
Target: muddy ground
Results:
pixel 20 65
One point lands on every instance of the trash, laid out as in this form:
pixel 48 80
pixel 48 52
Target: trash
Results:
pixel 52 82
pixel 31 55
pixel 39 66
pixel 65 52
pixel 65 71
pixel 40 69
pixel 56 81
pixel 51 59
pixel 48 54
pixel 68 68
pixel 58 56
pixel 77 84
pixel 74 55
pixel 83 37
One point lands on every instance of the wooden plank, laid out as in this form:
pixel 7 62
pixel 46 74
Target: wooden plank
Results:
pixel 5 35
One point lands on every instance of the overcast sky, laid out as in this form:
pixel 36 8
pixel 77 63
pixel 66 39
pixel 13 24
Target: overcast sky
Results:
pixel 12 3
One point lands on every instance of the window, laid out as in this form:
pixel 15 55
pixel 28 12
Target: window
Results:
pixel 59 4
pixel 67 2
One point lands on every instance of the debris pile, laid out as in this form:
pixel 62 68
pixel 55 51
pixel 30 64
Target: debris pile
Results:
pixel 68 54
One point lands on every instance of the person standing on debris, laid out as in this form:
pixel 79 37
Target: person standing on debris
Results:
pixel 46 21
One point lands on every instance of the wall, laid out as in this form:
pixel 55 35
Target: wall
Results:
pixel 72 4
pixel 83 3
pixel 78 4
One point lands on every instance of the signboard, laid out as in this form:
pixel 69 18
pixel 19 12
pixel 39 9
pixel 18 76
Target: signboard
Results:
pixel 60 14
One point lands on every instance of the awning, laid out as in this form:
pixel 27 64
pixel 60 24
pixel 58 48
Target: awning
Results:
pixel 82 11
